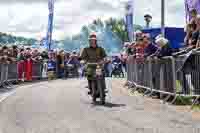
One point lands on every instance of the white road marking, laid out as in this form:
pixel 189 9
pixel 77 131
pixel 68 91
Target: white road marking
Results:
pixel 6 95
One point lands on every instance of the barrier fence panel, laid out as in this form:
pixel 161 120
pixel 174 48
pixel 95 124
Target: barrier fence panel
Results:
pixel 188 75
pixel 1 80
pixel 12 72
pixel 196 75
pixel 147 74
pixel 37 70
pixel 181 71
pixel 4 72
pixel 155 71
pixel 140 72
pixel 169 75
pixel 130 69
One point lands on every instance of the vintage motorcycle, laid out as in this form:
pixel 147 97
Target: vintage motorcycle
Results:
pixel 95 73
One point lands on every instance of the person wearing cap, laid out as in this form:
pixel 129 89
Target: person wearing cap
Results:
pixel 150 47
pixel 164 47
pixel 93 54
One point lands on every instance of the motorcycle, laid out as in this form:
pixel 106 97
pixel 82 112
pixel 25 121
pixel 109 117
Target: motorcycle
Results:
pixel 97 79
pixel 117 70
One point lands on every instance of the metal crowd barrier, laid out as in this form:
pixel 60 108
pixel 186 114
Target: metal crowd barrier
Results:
pixel 169 76
pixel 9 74
pixel 37 70
pixel 12 72
pixel 188 77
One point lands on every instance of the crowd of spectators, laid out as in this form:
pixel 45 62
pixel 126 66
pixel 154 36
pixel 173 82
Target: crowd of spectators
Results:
pixel 14 54
pixel 25 57
pixel 145 46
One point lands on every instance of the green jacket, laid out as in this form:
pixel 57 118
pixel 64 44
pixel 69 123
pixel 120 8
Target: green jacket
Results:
pixel 92 55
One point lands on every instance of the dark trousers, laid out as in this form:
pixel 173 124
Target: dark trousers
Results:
pixel 103 83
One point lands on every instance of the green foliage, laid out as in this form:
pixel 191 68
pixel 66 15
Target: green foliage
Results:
pixel 118 27
pixel 196 108
pixel 9 39
pixel 180 100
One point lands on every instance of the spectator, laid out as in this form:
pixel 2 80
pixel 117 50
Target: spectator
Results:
pixel 36 56
pixel 73 60
pixel 21 64
pixel 150 48
pixel 193 19
pixel 44 55
pixel 196 34
pixel 14 52
pixel 130 48
pixel 139 50
pixel 164 47
pixel 138 35
pixel 116 59
pixel 51 66
pixel 28 64
pixel 188 38
pixel 124 57
pixel 192 30
pixel 5 55
pixel 60 64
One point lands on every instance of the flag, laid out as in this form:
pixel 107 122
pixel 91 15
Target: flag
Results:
pixel 50 24
pixel 129 19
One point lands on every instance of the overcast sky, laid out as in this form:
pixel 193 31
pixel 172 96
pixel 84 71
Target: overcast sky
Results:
pixel 29 18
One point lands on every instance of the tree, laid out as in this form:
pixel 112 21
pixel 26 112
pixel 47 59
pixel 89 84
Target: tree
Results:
pixel 118 27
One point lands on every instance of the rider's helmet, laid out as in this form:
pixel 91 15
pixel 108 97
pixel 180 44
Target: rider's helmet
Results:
pixel 93 40
pixel 93 36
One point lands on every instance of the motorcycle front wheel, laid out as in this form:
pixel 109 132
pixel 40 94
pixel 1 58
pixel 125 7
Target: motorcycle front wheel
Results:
pixel 101 91
pixel 93 91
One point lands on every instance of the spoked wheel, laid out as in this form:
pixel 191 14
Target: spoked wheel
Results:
pixel 101 91
pixel 93 92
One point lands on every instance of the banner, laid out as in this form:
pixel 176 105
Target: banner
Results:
pixel 189 5
pixel 50 24
pixel 129 19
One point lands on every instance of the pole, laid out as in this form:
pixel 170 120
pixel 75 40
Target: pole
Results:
pixel 50 23
pixel 147 25
pixel 129 19
pixel 133 13
pixel 163 17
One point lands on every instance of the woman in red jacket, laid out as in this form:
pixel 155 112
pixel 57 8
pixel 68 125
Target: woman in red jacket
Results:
pixel 28 65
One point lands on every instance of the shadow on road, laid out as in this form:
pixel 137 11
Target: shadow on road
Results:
pixel 110 105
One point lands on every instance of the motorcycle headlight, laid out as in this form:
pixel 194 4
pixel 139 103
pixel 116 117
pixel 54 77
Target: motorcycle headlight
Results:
pixel 98 72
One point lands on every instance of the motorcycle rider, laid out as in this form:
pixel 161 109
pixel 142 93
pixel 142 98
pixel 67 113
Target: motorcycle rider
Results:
pixel 93 54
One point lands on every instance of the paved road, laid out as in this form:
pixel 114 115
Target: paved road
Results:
pixel 62 106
